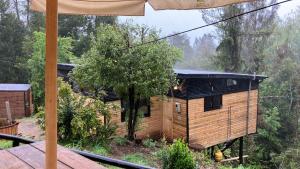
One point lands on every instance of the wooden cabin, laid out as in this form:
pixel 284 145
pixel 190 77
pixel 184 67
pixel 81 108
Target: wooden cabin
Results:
pixel 19 97
pixel 206 108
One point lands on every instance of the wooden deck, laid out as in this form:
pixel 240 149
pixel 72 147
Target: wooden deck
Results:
pixel 33 156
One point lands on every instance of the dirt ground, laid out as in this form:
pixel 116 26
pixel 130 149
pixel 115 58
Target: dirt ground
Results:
pixel 28 128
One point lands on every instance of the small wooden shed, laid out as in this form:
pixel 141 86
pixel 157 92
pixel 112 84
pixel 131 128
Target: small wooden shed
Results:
pixel 19 97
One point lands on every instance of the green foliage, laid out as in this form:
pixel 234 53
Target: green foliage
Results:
pixel 5 144
pixel 79 118
pixel 136 158
pixel 12 33
pixel 36 63
pixel 149 143
pixel 178 156
pixel 101 150
pixel 268 135
pixel 120 141
pixel 40 116
pixel 139 72
pixel 288 159
pixel 204 159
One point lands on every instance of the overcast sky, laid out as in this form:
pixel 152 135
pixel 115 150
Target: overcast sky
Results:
pixel 170 21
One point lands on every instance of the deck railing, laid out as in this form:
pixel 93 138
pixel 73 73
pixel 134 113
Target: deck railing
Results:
pixel 97 158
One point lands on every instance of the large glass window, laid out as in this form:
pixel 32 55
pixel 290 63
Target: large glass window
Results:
pixel 212 102
pixel 145 108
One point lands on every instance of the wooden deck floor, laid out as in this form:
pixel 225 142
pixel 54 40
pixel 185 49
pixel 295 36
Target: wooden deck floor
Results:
pixel 33 156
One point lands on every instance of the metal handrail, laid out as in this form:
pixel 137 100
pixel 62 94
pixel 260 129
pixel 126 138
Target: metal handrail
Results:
pixel 97 158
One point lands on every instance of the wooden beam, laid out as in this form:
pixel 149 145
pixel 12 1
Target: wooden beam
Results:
pixel 233 158
pixel 241 160
pixel 50 84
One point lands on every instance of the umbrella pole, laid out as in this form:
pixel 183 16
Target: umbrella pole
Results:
pixel 50 84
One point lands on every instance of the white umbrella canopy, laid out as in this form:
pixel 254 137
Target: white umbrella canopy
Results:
pixel 127 7
pixel 91 7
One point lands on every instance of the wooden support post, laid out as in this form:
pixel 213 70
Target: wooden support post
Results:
pixel 241 151
pixel 8 112
pixel 212 150
pixel 50 84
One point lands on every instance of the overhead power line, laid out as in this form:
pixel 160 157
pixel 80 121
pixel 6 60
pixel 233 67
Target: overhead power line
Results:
pixel 200 27
pixel 210 24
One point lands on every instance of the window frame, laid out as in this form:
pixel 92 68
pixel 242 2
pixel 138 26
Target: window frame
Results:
pixel 215 105
pixel 124 108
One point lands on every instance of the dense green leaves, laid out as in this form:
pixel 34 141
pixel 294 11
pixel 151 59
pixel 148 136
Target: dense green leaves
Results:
pixel 178 156
pixel 138 72
pixel 36 63
pixel 12 33
pixel 81 119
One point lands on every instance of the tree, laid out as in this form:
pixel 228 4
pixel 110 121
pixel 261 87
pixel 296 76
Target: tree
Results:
pixel 183 42
pixel 36 63
pixel 80 28
pixel 278 129
pixel 257 27
pixel 204 50
pixel 134 73
pixel 12 33
pixel 228 57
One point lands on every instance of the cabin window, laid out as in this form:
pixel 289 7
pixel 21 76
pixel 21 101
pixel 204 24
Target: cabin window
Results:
pixel 144 108
pixel 231 82
pixel 178 107
pixel 212 102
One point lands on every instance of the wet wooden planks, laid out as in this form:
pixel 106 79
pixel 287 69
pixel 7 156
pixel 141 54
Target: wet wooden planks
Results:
pixel 32 156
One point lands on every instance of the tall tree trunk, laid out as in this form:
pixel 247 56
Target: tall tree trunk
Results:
pixel 135 116
pixel 27 13
pixel 131 113
pixel 16 3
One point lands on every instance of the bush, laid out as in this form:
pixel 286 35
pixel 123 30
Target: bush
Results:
pixel 178 156
pixel 149 143
pixel 79 119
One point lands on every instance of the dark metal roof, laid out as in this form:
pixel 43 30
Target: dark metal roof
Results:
pixel 14 87
pixel 188 73
pixel 192 73
pixel 65 66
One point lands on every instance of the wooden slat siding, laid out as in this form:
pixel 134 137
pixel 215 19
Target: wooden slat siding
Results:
pixel 210 128
pixel 149 126
pixel 32 156
pixel 16 101
pixel 70 158
pixel 167 121
pixel 9 161
pixel 179 120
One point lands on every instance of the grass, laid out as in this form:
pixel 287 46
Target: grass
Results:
pixel 100 150
pixel 149 143
pixel 120 141
pixel 5 144
pixel 136 158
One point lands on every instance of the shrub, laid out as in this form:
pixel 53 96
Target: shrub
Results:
pixel 149 143
pixel 40 116
pixel 79 119
pixel 178 156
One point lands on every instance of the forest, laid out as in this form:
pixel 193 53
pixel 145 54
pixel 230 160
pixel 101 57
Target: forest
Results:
pixel 257 43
